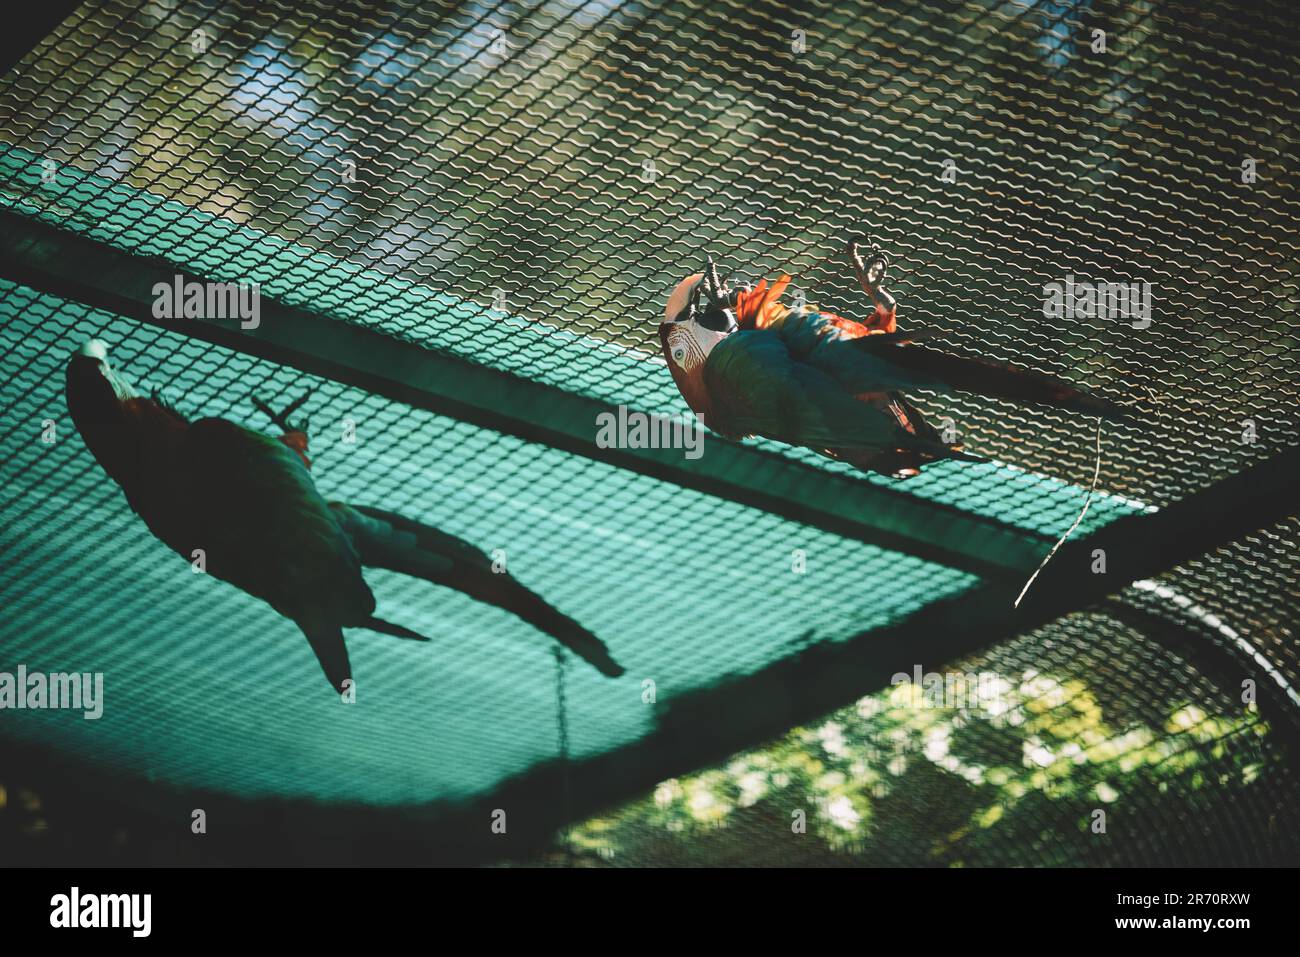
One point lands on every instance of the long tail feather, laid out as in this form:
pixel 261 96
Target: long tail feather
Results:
pixel 387 540
pixel 939 450
pixel 994 379
pixel 926 440
pixel 391 628
pixel 507 593
pixel 327 641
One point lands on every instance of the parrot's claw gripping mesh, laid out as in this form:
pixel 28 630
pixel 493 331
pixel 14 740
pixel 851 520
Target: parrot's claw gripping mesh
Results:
pixel 870 270
pixel 720 314
pixel 714 287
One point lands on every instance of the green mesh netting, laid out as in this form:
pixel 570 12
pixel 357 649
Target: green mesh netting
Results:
pixel 1134 709
pixel 438 721
pixel 413 167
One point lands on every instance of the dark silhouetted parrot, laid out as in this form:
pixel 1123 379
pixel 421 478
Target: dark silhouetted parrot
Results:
pixel 248 501
pixel 748 364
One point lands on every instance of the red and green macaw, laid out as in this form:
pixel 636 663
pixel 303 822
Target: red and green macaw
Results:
pixel 748 364
pixel 249 502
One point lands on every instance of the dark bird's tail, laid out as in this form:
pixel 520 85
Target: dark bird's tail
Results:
pixel 507 593
pixel 389 628
pixel 919 443
pixel 996 380
pixel 326 640
pixel 387 540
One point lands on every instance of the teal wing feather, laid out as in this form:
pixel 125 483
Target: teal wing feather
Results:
pixel 861 365
pixel 758 385
pixel 892 362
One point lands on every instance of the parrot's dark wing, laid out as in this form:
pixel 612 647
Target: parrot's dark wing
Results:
pixel 859 363
pixel 387 540
pixel 757 387
pixel 893 361
pixel 997 380
pixel 265 528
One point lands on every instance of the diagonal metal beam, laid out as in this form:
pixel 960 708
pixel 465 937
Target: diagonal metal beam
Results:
pixel 708 726
pixel 70 266
pixel 22 34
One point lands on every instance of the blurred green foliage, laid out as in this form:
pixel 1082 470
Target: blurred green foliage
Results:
pixel 1014 777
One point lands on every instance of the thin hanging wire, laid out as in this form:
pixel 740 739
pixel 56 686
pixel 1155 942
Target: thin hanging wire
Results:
pixel 562 727
pixel 1092 490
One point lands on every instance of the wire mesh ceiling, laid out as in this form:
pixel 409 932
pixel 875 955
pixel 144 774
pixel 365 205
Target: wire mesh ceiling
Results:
pixel 520 185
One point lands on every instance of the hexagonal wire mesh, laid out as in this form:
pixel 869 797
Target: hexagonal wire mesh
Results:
pixel 410 167
pixel 1133 709
pixel 553 513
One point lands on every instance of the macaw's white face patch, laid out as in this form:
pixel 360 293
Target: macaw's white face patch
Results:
pixel 689 344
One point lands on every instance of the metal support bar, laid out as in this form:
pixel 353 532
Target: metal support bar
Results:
pixel 23 33
pixel 73 267
pixel 707 726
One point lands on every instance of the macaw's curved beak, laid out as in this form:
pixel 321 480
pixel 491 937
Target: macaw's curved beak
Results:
pixel 680 300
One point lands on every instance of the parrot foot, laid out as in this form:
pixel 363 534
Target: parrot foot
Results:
pixel 719 313
pixel 870 270
pixel 281 419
